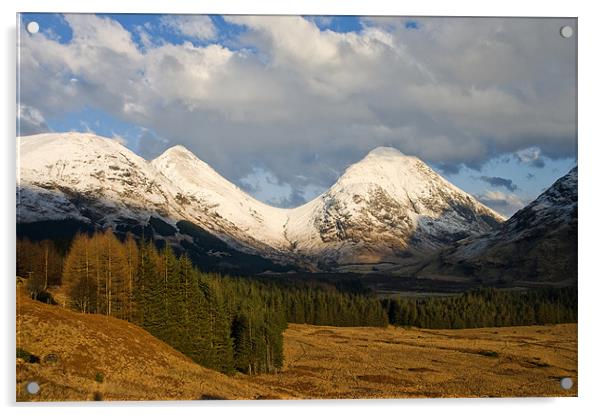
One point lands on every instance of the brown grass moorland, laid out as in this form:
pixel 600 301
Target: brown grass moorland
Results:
pixel 85 357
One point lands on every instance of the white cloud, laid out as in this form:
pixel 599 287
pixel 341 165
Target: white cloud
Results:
pixel 304 102
pixel 320 20
pixel 505 203
pixel 194 26
pixel 528 154
pixel 531 156
pixel 101 33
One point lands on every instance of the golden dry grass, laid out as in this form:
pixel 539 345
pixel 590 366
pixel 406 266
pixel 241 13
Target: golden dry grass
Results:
pixel 134 364
pixel 320 362
pixel 336 362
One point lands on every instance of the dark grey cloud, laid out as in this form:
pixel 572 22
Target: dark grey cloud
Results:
pixel 499 182
pixel 539 163
pixel 30 121
pixel 531 156
pixel 296 198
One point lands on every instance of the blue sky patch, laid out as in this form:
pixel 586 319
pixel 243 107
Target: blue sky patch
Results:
pixel 339 24
pixel 412 25
pixel 52 25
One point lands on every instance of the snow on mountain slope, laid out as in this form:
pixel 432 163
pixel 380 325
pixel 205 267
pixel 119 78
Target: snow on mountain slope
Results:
pixel 538 243
pixel 386 207
pixel 554 208
pixel 204 194
pixel 77 173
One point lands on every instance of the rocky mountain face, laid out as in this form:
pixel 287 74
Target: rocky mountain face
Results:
pixel 214 203
pixel 388 207
pixel 538 244
pixel 87 178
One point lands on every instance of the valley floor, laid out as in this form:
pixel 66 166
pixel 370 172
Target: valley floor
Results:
pixel 337 362
pixel 88 356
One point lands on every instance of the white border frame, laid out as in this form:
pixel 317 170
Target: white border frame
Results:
pixel 589 150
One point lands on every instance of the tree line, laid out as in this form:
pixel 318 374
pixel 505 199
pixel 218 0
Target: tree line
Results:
pixel 324 305
pixel 222 322
pixel 39 262
pixel 485 307
pixel 237 323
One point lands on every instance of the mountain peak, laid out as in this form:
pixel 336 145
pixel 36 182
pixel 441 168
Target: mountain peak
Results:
pixel 49 148
pixel 385 152
pixel 387 166
pixel 180 155
pixel 178 151
pixel 67 138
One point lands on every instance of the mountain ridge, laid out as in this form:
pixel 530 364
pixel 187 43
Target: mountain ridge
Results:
pixel 385 207
pixel 537 244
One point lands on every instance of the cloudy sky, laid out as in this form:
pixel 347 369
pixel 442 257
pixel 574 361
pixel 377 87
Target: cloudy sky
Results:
pixel 281 105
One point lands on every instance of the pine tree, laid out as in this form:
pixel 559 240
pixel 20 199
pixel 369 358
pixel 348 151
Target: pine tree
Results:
pixel 149 296
pixel 200 330
pixel 241 336
pixel 222 356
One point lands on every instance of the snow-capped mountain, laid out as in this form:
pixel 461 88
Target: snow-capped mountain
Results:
pixel 88 178
pixel 209 199
pixel 538 243
pixel 386 207
pixel 73 182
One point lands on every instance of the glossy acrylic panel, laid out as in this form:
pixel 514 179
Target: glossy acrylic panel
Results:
pixel 284 207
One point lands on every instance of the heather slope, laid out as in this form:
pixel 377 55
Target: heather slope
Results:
pixel 76 350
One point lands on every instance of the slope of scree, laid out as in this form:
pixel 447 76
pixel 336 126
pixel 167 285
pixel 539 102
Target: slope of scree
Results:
pixel 86 357
pixel 386 207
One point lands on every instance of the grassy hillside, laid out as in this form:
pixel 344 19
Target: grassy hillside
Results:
pixel 83 357
pixel 87 356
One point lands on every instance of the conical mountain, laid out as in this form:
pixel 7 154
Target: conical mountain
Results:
pixel 386 207
pixel 217 203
